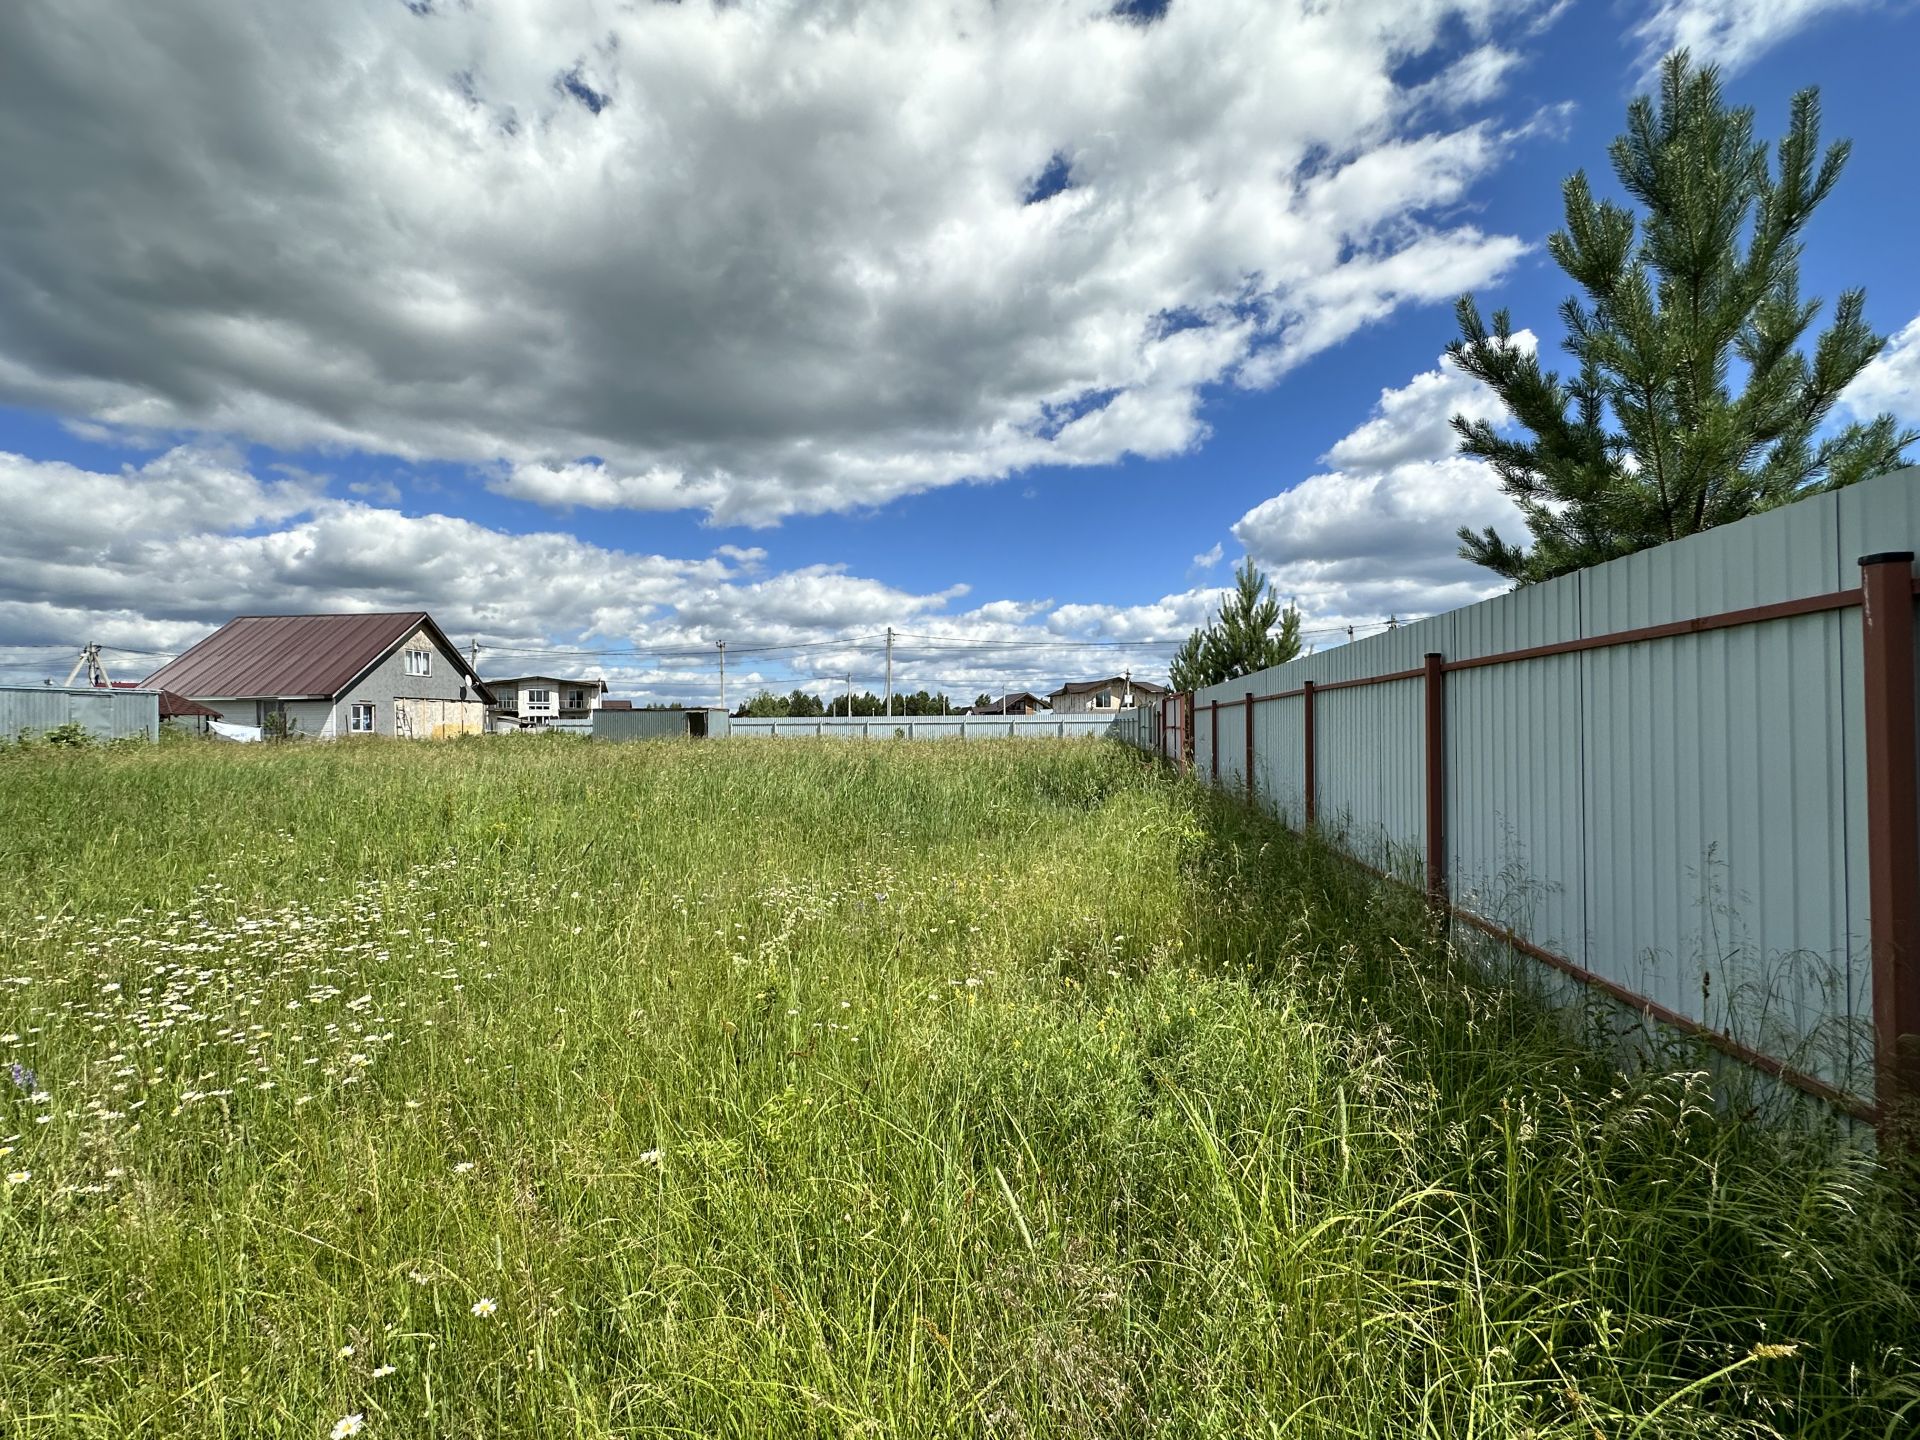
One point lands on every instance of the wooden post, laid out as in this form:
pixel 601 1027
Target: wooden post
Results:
pixel 1893 837
pixel 1306 716
pixel 1436 783
pixel 1213 707
pixel 1252 794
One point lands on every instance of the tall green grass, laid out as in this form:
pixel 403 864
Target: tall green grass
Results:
pixel 852 1090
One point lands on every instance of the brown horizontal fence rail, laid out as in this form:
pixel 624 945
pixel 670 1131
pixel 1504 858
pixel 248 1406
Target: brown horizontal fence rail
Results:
pixel 1886 598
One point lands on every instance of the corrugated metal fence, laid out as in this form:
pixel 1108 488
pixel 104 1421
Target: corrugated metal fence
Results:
pixel 1686 778
pixel 104 714
pixel 932 727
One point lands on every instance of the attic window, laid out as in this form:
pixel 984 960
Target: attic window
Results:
pixel 419 662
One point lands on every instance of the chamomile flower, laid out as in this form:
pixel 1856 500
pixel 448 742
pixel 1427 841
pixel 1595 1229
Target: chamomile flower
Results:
pixel 348 1425
pixel 463 1167
pixel 19 1177
pixel 380 1372
pixel 485 1307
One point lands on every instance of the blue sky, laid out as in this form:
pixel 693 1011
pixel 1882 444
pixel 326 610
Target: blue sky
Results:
pixel 768 348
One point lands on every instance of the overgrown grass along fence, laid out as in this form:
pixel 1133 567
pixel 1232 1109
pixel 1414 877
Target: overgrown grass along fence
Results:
pixel 1684 779
pixel 735 1089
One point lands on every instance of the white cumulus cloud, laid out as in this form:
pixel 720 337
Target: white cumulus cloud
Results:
pixel 1730 33
pixel 1891 381
pixel 757 259
pixel 1375 535
pixel 147 560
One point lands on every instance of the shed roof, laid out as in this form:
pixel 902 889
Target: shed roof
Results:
pixel 173 705
pixel 293 657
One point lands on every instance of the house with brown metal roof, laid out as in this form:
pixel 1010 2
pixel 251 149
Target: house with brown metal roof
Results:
pixel 333 675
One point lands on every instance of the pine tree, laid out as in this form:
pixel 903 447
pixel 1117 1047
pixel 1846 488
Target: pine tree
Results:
pixel 1650 440
pixel 1241 638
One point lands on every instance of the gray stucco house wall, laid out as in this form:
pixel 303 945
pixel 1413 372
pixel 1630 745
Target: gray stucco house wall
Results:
pixel 388 681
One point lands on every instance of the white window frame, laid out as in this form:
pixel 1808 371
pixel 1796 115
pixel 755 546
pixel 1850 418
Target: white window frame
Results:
pixel 539 698
pixel 419 662
pixel 575 700
pixel 354 713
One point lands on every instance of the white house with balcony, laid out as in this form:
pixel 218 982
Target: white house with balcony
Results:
pixel 1093 697
pixel 531 702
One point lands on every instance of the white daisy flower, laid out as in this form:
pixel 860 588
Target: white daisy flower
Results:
pixel 485 1307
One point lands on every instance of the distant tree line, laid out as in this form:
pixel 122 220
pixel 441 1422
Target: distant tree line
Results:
pixel 801 705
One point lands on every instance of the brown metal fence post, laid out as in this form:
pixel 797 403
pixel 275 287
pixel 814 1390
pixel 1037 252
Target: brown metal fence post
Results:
pixel 1436 679
pixel 1186 731
pixel 1252 794
pixel 1893 836
pixel 1306 716
pixel 1213 707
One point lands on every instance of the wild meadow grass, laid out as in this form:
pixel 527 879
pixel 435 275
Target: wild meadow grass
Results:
pixel 528 1088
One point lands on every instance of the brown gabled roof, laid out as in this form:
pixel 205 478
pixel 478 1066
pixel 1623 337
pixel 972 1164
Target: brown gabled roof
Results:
pixel 1118 682
pixel 1006 702
pixel 293 657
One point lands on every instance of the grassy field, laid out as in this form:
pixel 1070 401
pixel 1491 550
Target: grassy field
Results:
pixel 538 1089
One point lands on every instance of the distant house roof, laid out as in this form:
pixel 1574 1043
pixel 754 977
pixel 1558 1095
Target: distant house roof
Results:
pixel 1009 702
pixel 1116 682
pixel 554 680
pixel 616 704
pixel 294 657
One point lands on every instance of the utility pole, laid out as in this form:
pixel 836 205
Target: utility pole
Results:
pixel 96 671
pixel 849 695
pixel 1126 693
pixel 889 672
pixel 723 674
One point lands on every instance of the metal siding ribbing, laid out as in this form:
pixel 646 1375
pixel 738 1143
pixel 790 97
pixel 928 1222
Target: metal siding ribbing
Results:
pixel 104 714
pixel 928 727
pixel 1715 787
pixel 1279 758
pixel 1877 516
pixel 1684 816
pixel 1371 771
pixel 1514 805
pixel 1716 833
